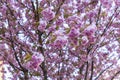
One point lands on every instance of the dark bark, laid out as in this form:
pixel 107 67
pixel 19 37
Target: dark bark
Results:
pixel 115 75
pixel 26 75
pixel 103 72
pixel 86 73
pixel 92 65
pixel 43 66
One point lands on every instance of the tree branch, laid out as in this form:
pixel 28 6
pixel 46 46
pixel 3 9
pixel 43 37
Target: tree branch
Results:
pixel 115 75
pixel 92 67
pixel 102 72
pixel 87 65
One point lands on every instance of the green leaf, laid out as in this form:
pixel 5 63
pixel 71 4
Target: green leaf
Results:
pixel 27 57
pixel 67 30
pixel 36 74
pixel 2 30
pixel 53 38
pixel 40 9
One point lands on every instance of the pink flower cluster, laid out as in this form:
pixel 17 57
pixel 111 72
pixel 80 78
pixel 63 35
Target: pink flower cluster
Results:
pixel 42 26
pixel 35 61
pixel 74 33
pixel 89 34
pixel 48 14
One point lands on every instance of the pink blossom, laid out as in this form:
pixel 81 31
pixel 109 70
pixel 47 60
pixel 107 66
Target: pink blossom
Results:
pixel 117 2
pixel 84 40
pixel 35 61
pixel 74 33
pixel 90 30
pixel 48 14
pixel 42 26
pixel 59 21
pixel 60 42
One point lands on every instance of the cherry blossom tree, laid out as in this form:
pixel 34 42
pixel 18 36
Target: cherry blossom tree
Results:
pixel 60 39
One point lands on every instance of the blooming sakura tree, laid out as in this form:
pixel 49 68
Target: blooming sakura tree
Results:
pixel 60 39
